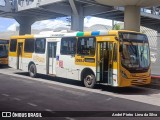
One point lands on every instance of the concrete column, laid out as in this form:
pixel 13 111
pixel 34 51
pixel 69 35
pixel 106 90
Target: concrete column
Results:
pixel 132 18
pixel 25 24
pixel 77 21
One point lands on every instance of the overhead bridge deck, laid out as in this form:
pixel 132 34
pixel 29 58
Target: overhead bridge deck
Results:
pixel 47 9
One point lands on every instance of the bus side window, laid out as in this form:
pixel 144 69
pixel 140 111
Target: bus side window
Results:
pixel 40 45
pixel 86 46
pixel 13 45
pixel 29 45
pixel 68 46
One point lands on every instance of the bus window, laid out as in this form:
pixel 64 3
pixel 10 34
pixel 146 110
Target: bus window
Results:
pixel 115 53
pixel 29 45
pixel 1 48
pixel 68 46
pixel 40 44
pixel 86 46
pixel 13 45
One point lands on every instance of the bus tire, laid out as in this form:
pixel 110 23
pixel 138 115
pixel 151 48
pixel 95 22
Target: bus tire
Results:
pixel 32 71
pixel 89 80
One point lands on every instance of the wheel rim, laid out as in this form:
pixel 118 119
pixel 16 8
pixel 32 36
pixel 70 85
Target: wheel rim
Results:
pixel 32 70
pixel 89 79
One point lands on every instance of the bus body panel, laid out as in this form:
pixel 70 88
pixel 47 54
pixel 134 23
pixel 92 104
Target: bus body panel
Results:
pixel 108 70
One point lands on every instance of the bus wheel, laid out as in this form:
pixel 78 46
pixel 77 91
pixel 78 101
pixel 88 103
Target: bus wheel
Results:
pixel 89 80
pixel 32 70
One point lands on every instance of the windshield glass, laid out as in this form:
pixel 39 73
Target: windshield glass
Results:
pixel 3 50
pixel 134 50
pixel 135 55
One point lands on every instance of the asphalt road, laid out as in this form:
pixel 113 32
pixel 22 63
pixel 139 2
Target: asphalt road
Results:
pixel 24 94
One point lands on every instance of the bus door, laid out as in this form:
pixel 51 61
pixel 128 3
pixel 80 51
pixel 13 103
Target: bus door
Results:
pixel 51 57
pixel 106 63
pixel 19 55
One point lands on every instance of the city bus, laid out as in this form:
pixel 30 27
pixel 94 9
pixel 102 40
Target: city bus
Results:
pixel 118 58
pixel 4 51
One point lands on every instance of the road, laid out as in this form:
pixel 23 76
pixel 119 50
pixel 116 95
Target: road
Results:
pixel 18 92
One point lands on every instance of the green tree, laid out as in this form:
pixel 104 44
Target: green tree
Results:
pixel 116 27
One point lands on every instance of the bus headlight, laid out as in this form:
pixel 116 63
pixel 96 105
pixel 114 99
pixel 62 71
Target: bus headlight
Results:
pixel 124 74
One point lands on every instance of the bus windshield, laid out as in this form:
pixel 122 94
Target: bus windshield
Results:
pixel 3 50
pixel 135 52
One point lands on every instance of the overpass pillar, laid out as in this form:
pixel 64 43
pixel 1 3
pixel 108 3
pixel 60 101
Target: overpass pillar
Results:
pixel 25 24
pixel 132 18
pixel 77 20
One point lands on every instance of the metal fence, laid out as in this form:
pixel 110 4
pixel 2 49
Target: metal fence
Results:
pixel 155 54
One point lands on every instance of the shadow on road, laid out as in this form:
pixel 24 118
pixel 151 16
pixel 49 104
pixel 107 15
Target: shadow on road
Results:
pixel 117 90
pixel 4 67
pixel 52 78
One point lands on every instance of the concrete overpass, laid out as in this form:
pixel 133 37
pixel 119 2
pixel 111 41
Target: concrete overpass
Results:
pixel 26 12
pixel 133 12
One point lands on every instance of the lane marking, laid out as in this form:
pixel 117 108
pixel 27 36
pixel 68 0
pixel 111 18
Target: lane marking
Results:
pixel 17 99
pixel 6 95
pixel 109 99
pixel 69 118
pixel 49 110
pixel 32 104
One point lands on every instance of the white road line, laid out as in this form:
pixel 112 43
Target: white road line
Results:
pixel 109 99
pixel 6 95
pixel 49 110
pixel 32 104
pixel 17 99
pixel 69 118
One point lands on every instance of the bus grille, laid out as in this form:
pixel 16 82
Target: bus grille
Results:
pixel 139 82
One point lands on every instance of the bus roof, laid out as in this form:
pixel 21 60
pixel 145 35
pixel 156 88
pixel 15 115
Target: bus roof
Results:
pixel 71 34
pixel 81 34
pixel 22 36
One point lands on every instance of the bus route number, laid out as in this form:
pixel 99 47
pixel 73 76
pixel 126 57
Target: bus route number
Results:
pixel 79 60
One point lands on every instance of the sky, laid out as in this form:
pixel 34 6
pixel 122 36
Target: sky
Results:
pixel 7 24
pixel 2 3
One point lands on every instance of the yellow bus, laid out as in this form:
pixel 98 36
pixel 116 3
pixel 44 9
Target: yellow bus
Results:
pixel 118 58
pixel 4 52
